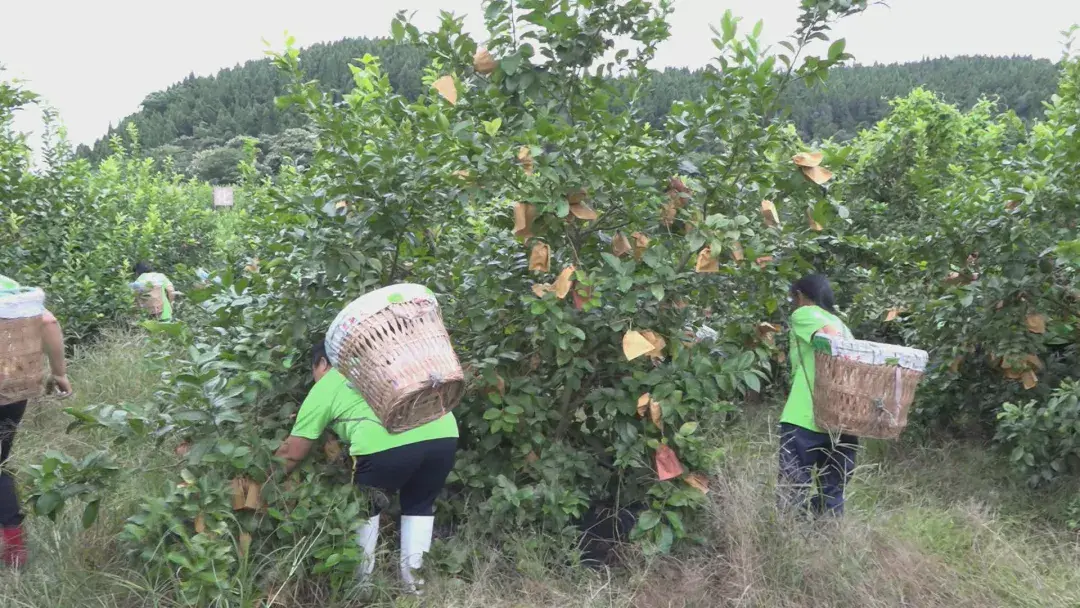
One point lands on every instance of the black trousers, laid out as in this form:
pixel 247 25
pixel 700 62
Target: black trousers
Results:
pixel 806 457
pixel 418 471
pixel 10 416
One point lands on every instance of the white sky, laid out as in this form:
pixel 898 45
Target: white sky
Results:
pixel 95 60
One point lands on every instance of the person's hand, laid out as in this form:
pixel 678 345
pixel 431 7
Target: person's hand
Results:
pixel 63 385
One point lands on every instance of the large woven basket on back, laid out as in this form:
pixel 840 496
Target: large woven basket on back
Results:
pixel 21 371
pixel 864 388
pixel 150 297
pixel 393 347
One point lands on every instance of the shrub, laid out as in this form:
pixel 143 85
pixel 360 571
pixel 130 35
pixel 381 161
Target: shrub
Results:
pixel 1044 436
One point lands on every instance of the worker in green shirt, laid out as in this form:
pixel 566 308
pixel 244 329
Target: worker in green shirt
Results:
pixel 415 463
pixel 12 544
pixel 146 278
pixel 806 453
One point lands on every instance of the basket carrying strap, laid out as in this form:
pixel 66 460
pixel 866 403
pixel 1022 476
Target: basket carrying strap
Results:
pixel 897 391
pixel 364 419
pixel 806 374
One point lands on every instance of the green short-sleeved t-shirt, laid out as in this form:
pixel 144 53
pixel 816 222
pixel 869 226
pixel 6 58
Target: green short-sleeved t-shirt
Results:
pixel 162 281
pixel 805 322
pixel 6 283
pixel 333 402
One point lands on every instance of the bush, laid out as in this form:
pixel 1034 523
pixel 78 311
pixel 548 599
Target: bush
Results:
pixel 76 232
pixel 1044 436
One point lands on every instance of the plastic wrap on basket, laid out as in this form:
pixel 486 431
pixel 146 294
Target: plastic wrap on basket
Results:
pixel 864 388
pixel 393 347
pixel 21 370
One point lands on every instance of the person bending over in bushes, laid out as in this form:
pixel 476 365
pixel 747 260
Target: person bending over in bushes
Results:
pixel 12 545
pixel 146 279
pixel 806 453
pixel 415 463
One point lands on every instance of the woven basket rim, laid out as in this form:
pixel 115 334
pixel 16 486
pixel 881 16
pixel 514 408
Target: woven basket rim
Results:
pixel 21 303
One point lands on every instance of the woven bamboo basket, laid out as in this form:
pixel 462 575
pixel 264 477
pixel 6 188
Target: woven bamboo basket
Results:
pixel 863 388
pixel 150 298
pixel 21 371
pixel 393 347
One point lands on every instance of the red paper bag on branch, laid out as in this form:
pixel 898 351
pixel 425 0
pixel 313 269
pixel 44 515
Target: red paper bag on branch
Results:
pixel 667 463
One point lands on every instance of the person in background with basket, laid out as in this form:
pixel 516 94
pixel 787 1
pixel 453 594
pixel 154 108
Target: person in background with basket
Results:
pixel 414 463
pixel 145 281
pixel 14 392
pixel 806 453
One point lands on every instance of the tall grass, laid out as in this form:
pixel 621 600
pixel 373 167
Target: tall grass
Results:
pixel 927 526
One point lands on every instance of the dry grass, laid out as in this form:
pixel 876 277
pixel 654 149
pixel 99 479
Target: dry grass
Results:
pixel 927 526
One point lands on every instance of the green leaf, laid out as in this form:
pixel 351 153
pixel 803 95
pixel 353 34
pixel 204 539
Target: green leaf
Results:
pixel 48 502
pixel 752 381
pixel 728 25
pixel 562 209
pixel 614 262
pixel 491 127
pixel 836 49
pixel 494 9
pixel 658 292
pixel 648 520
pixel 696 240
pixel 397 30
pixel 90 513
pixel 492 414
pixel 688 428
pixel 1017 453
pixel 664 539
pixel 511 63
pixel 676 522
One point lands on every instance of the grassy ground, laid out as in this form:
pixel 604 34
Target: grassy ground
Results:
pixel 927 526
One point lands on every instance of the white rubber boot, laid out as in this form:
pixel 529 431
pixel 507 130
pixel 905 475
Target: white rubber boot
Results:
pixel 367 536
pixel 415 542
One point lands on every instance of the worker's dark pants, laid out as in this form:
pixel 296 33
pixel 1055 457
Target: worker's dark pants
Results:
pixel 807 457
pixel 10 416
pixel 418 470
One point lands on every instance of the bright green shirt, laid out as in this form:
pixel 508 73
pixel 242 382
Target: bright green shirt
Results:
pixel 805 322
pixel 333 402
pixel 6 283
pixel 163 282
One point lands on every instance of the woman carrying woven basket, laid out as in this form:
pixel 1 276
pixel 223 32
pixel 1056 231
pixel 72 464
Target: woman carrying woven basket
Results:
pixel 414 463
pixel 161 303
pixel 12 408
pixel 807 454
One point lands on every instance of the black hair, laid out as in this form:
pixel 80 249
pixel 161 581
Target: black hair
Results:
pixel 142 268
pixel 318 353
pixel 817 288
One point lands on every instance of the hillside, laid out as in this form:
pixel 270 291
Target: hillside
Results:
pixel 197 121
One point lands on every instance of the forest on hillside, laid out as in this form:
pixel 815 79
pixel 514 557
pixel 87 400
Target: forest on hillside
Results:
pixel 201 122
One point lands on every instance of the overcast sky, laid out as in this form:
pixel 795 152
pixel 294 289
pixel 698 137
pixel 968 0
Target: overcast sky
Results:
pixel 95 61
